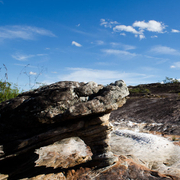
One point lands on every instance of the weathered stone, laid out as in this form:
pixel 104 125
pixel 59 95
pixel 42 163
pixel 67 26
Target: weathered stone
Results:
pixel 66 153
pixel 52 113
pixel 124 169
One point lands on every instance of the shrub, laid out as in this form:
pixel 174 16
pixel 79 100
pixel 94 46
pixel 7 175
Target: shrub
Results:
pixel 7 91
pixel 170 80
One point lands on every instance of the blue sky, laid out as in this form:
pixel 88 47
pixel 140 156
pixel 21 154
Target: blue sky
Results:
pixel 86 40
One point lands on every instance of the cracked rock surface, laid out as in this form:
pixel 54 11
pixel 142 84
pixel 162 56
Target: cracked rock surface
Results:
pixel 36 120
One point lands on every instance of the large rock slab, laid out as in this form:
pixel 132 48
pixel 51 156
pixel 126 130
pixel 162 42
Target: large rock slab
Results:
pixel 47 115
pixel 124 169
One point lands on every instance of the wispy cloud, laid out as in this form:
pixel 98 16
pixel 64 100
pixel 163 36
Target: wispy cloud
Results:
pixel 24 57
pixel 154 36
pixel 160 60
pixel 42 54
pixel 123 46
pixel 98 42
pixel 164 50
pixel 107 23
pixel 175 31
pixel 21 57
pixel 1 2
pixel 76 44
pixel 122 34
pixel 102 76
pixel 23 32
pixel 118 52
pixel 175 65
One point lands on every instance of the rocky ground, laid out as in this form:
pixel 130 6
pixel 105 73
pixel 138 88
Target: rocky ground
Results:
pixel 150 109
pixel 157 110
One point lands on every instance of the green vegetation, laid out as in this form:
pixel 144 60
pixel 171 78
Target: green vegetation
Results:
pixel 170 80
pixel 7 91
pixel 139 90
pixel 174 138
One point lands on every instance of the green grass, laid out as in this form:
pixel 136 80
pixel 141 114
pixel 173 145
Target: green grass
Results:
pixel 139 90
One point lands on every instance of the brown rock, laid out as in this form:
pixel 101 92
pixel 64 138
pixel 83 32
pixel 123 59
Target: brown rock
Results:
pixel 124 169
pixel 66 153
pixel 52 113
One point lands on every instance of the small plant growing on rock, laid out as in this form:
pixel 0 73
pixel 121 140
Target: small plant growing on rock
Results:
pixel 139 90
pixel 7 91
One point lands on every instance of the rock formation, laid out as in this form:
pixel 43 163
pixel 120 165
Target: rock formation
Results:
pixel 62 131
pixel 36 119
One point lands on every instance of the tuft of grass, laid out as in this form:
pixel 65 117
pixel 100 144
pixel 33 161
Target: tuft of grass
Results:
pixel 139 90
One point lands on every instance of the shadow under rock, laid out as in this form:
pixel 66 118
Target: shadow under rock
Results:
pixel 24 167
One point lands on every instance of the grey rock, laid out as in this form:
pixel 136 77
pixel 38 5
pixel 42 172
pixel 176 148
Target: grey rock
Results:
pixel 52 113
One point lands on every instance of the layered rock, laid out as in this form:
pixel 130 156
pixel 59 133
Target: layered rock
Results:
pixel 33 121
pixel 124 169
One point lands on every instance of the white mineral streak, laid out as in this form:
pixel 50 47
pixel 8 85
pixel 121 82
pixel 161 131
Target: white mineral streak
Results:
pixel 134 126
pixel 153 151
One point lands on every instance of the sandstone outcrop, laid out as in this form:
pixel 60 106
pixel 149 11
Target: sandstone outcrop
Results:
pixel 124 169
pixel 56 115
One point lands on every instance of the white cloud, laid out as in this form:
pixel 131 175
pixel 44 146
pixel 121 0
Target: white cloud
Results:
pixel 78 25
pixel 176 65
pixel 165 50
pixel 175 31
pixel 152 25
pixel 141 36
pixel 154 36
pixel 122 34
pixel 76 44
pixel 23 32
pixel 102 76
pixel 22 57
pixel 107 23
pixel 118 52
pixel 125 28
pixel 32 73
pixel 1 2
pixel 129 29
